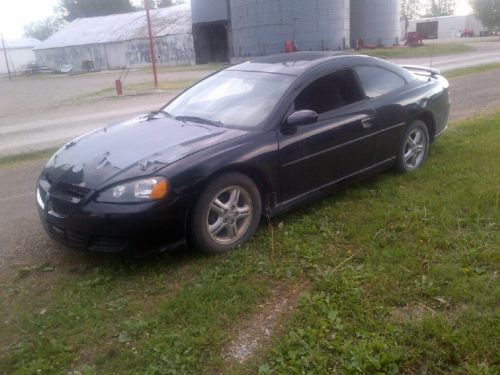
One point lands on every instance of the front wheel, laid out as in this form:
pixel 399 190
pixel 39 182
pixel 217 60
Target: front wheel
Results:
pixel 414 147
pixel 226 215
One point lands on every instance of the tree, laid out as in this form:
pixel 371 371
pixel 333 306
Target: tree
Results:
pixel 439 8
pixel 165 3
pixel 42 29
pixel 72 9
pixel 410 9
pixel 488 12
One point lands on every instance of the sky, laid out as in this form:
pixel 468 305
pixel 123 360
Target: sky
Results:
pixel 14 14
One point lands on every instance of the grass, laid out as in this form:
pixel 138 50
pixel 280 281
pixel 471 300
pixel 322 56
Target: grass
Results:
pixel 24 157
pixel 428 50
pixel 401 274
pixel 472 70
pixel 133 89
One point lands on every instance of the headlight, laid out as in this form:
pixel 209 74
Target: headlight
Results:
pixel 149 189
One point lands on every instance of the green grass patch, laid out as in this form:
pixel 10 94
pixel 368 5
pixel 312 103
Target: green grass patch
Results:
pixel 472 70
pixel 25 157
pixel 130 90
pixel 401 274
pixel 438 49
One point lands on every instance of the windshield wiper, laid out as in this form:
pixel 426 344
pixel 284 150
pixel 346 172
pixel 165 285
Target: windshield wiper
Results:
pixel 153 114
pixel 199 120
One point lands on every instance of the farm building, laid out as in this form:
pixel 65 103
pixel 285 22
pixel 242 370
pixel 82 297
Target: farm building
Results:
pixel 19 54
pixel 240 28
pixel 446 27
pixel 220 30
pixel 121 41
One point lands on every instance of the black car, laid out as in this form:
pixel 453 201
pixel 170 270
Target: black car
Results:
pixel 254 139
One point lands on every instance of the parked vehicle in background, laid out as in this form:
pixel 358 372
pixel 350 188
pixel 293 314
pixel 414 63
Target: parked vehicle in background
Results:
pixel 255 139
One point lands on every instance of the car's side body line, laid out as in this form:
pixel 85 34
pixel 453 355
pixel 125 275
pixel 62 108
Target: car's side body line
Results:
pixel 286 205
pixel 345 143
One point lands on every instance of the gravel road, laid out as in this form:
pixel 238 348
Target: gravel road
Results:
pixel 23 242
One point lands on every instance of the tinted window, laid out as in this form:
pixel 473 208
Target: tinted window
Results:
pixel 236 99
pixel 329 93
pixel 377 81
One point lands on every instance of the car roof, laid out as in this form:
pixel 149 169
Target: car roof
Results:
pixel 290 63
pixel 297 63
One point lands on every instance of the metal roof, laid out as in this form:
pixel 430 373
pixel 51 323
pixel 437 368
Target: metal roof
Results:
pixel 20 43
pixel 121 27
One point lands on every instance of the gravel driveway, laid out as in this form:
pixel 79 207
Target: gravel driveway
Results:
pixel 23 242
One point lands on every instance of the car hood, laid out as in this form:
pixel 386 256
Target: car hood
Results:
pixel 135 148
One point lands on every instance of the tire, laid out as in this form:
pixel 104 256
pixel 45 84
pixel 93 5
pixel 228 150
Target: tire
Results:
pixel 226 214
pixel 413 148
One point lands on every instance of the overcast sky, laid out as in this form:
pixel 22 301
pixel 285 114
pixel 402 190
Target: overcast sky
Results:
pixel 14 14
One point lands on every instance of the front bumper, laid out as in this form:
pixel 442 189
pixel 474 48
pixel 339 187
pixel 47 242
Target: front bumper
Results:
pixel 113 228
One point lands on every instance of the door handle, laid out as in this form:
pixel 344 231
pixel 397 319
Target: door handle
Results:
pixel 367 122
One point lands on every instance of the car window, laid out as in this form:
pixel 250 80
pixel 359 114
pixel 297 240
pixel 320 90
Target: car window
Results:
pixel 233 98
pixel 378 81
pixel 330 92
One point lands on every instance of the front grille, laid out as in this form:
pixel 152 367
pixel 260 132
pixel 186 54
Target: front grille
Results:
pixel 70 193
pixel 97 244
pixel 76 238
pixel 108 245
pixel 60 208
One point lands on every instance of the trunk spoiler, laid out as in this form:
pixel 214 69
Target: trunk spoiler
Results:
pixel 422 69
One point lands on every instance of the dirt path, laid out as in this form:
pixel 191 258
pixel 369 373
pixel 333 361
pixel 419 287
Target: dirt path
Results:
pixel 23 242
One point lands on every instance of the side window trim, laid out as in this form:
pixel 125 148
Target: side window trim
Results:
pixel 322 75
pixel 377 67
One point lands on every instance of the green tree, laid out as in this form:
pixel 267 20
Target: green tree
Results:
pixel 488 12
pixel 439 8
pixel 72 9
pixel 410 9
pixel 44 28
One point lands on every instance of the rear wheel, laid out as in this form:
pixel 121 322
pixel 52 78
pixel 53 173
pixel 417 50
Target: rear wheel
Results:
pixel 414 147
pixel 227 214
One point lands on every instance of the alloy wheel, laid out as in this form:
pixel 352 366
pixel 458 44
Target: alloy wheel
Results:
pixel 229 215
pixel 415 149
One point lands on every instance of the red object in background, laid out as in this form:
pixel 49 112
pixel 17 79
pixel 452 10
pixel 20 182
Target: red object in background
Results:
pixel 413 39
pixel 290 46
pixel 118 85
pixel 467 33
pixel 360 44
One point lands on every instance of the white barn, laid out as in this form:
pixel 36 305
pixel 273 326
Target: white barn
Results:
pixel 120 41
pixel 19 54
pixel 445 27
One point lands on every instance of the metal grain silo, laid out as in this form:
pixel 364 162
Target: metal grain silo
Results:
pixel 321 24
pixel 375 21
pixel 261 27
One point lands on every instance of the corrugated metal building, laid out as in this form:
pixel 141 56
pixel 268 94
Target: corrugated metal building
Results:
pixel 376 21
pixel 121 41
pixel 261 27
pixel 19 54
pixel 446 27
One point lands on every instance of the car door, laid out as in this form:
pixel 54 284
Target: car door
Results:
pixel 337 146
pixel 385 90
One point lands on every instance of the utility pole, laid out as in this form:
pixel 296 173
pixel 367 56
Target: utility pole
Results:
pixel 6 59
pixel 151 43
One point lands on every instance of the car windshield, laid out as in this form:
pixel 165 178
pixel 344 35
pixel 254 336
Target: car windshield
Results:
pixel 232 98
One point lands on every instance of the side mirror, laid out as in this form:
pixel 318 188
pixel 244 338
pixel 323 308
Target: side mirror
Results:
pixel 304 117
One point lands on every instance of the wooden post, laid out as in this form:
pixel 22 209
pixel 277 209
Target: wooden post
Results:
pixel 6 59
pixel 151 43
